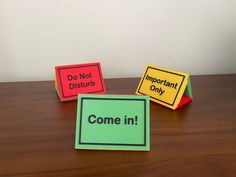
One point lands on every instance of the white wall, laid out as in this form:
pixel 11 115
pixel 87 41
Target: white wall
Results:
pixel 195 36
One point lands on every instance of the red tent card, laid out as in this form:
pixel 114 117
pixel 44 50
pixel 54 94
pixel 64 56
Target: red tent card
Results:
pixel 72 80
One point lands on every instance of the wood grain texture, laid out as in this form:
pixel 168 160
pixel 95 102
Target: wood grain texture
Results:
pixel 37 134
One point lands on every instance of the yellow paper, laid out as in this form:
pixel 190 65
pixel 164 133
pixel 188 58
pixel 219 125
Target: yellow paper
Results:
pixel 164 86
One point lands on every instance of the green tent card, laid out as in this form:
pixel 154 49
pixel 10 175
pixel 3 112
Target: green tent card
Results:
pixel 112 122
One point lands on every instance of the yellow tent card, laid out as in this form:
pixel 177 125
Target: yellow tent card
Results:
pixel 164 86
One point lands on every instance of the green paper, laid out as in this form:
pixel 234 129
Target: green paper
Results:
pixel 112 122
pixel 188 90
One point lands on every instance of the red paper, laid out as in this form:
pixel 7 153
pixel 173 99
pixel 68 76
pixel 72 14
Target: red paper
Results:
pixel 184 100
pixel 79 79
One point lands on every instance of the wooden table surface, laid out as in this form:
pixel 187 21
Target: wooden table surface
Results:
pixel 37 134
